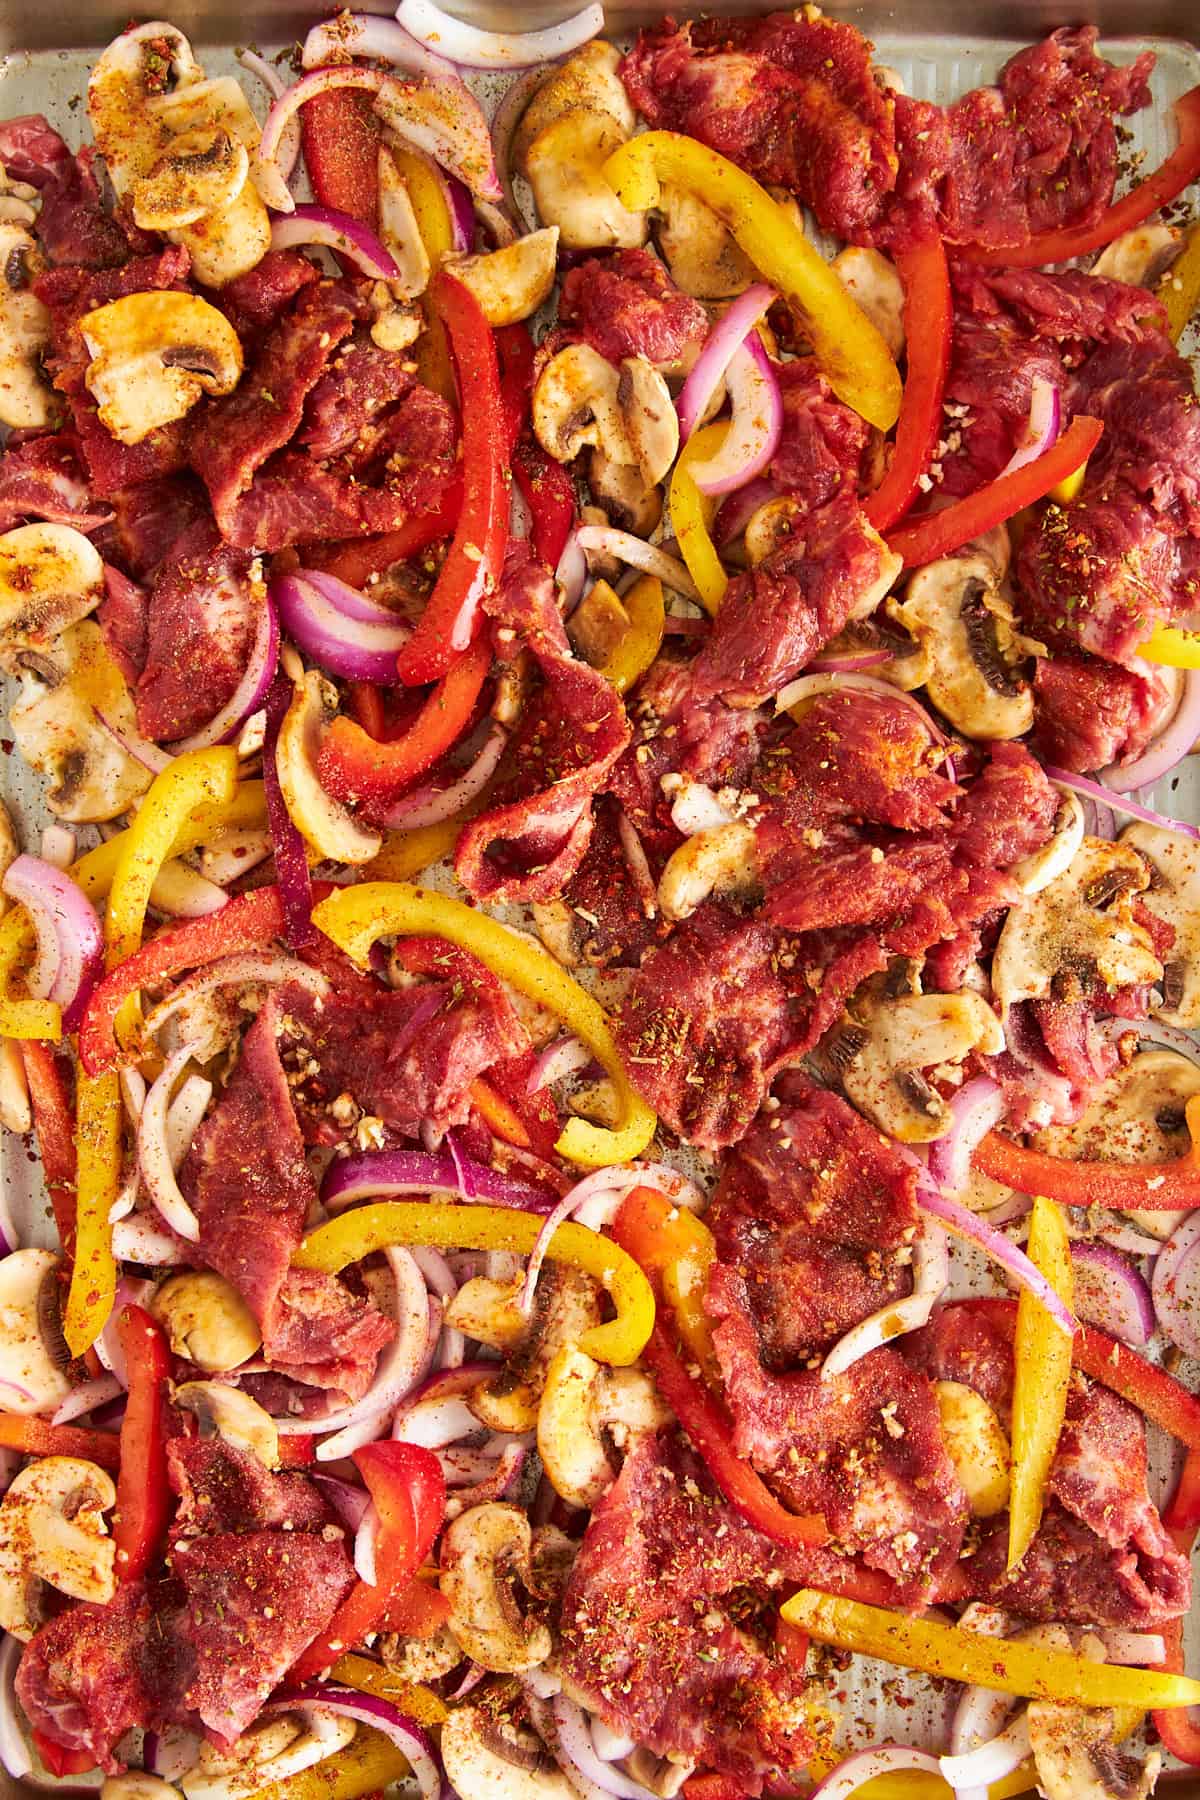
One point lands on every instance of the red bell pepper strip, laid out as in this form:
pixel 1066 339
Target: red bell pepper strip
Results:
pixel 1182 1516
pixel 1166 183
pixel 711 1786
pixel 355 563
pixel 248 921
pixel 549 493
pixel 365 701
pixel 537 1112
pixel 54 1123
pixel 140 1518
pixel 406 1483
pixel 453 613
pixel 1177 1729
pixel 417 1610
pixel 1155 1393
pixel 341 140
pixel 514 348
pixel 58 1759
pixel 296 1452
pixel 928 324
pixel 37 1437
pixel 353 767
pixel 1142 1187
pixel 941 533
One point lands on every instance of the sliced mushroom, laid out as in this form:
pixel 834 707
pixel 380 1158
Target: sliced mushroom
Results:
pixel 271 1750
pixel 590 80
pixel 153 356
pixel 565 169
pixel 566 1305
pixel 582 1404
pixel 576 403
pixel 1136 1114
pixel 10 849
pixel 625 500
pixel 871 280
pixel 478 1769
pixel 704 258
pixel 720 860
pixel 53 1534
pixel 206 1320
pixel 1138 256
pixel 26 399
pixel 136 1784
pixel 201 172
pixel 976 1445
pixel 485 1563
pixel 1078 1758
pixel 331 830
pixel 51 577
pixel 32 1359
pixel 770 526
pixel 421 1659
pixel 651 422
pixel 510 284
pixel 1174 864
pixel 486 1310
pixel 973 649
pixel 226 1412
pixel 885 1078
pixel 1041 867
pixel 57 732
pixel 1079 928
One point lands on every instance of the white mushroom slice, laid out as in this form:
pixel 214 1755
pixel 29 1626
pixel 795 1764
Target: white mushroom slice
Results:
pixel 618 489
pixel 26 399
pixel 769 526
pixel 201 172
pixel 32 1356
pixel 1136 1115
pixel 486 1310
pixel 972 647
pixel 1174 864
pixel 401 234
pixel 1041 867
pixel 575 403
pixel 227 1413
pixel 704 258
pixel 565 166
pixel 885 1077
pixel 871 280
pixel 51 577
pixel 566 1305
pixel 330 828
pixel 15 1114
pixel 510 284
pixel 1078 1758
pixel 581 1402
pixel 485 1557
pixel 270 1751
pixel 477 1770
pixel 590 80
pixel 719 860
pixel 52 1531
pixel 651 422
pixel 206 1320
pixel 57 732
pixel 1138 256
pixel 136 1784
pixel 153 355
pixel 1079 926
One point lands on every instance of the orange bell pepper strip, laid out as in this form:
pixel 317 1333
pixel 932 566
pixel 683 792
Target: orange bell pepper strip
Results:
pixel 54 1124
pixel 939 534
pixel 1042 1365
pixel 143 1496
pixel 1179 1731
pixel 1125 1187
pixel 38 1437
pixel 676 1250
pixel 498 1115
pixel 1166 183
pixel 355 563
pixel 357 770
pixel 928 325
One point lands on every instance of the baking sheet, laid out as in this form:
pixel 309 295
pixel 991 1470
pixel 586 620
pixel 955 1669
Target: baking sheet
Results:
pixel 874 1704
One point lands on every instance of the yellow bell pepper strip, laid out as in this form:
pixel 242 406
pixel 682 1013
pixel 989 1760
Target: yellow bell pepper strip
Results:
pixel 853 356
pixel 245 809
pixel 20 1016
pixel 676 1250
pixel 408 853
pixel 1179 289
pixel 428 199
pixel 97 1183
pixel 419 1702
pixel 1031 1671
pixel 640 642
pixel 1042 1365
pixel 915 1784
pixel 369 1763
pixel 366 1229
pixel 1173 647
pixel 353 918
pixel 692 514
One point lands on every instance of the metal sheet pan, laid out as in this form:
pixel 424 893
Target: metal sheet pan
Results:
pixel 42 68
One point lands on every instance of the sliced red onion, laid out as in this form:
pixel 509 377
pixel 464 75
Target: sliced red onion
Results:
pixel 334 231
pixel 1134 1649
pixel 991 1761
pixel 564 1056
pixel 865 1765
pixel 83 1398
pixel 58 846
pixel 234 851
pixel 183 893
pixel 1099 819
pixel 1165 751
pixel 1120 803
pixel 810 687
pixel 431 805
pixel 508 115
pixel 1111 1293
pixel 1041 428
pixel 14 1750
pixel 599 1194
pixel 472 48
pixel 606 540
pixel 461 209
pixel 364 34
pixel 385 1174
pixel 251 690
pixel 985 1237
pixel 380 1715
pixel 171 1752
pixel 251 968
pixel 610 1745
pixel 272 80
pixel 133 1092
pixel 1155 1031
pixel 139 1240
pixel 437 1423
pixel 720 347
pixel 572 572
pixel 347 1501
pixel 398 1367
pixel 975 1110
pixel 931 1272
pixel 365 1539
pixel 850 664
pixel 496 1482
pixel 153 1153
pixel 134 744
pixel 1134 1243
pixel 70 942
pixel 738 508
pixel 755 424
pixel 426 1410
pixel 344 646
pixel 574 1741
pixel 444 120
pixel 184 1115
pixel 1176 1286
